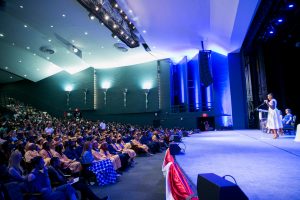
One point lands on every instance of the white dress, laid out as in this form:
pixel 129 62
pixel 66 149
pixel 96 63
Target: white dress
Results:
pixel 273 120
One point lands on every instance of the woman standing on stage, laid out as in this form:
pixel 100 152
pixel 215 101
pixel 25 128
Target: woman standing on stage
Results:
pixel 273 121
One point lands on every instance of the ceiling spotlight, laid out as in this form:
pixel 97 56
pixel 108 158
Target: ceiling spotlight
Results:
pixel 291 5
pixel 280 20
pixel 110 14
pixel 91 16
pixel 75 49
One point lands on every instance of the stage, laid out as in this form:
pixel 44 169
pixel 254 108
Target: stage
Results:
pixel 264 168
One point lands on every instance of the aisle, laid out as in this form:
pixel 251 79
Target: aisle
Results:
pixel 143 181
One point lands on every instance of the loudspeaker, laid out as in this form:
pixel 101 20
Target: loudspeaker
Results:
pixel 174 148
pixel 177 138
pixel 205 75
pixel 213 187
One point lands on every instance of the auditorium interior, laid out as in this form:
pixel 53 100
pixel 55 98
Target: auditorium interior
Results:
pixel 197 65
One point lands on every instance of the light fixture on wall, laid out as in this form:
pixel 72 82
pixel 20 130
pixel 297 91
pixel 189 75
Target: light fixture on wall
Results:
pixel 85 93
pixel 125 97
pixel 146 97
pixel 105 95
pixel 147 86
pixel 68 90
pixel 105 86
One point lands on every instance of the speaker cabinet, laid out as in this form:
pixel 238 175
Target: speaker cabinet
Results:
pixel 174 148
pixel 213 187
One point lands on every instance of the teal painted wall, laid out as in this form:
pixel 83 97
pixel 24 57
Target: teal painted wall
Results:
pixel 132 78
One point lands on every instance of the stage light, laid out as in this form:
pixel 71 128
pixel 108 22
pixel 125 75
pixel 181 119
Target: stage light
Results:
pixel 280 20
pixel 291 5
pixel 91 16
pixel 114 18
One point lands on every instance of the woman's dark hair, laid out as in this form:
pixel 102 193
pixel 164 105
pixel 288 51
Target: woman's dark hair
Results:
pixel 36 160
pixel 54 160
pixel 59 148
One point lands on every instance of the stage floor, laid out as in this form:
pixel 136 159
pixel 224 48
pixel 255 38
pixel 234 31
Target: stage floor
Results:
pixel 264 168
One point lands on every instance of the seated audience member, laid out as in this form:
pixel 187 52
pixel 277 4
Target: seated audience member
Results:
pixel 39 182
pixel 99 155
pixel 119 145
pixel 46 152
pixel 138 147
pixel 103 169
pixel 31 152
pixel 16 172
pixel 70 149
pixel 57 176
pixel 73 165
pixel 109 152
pixel 287 119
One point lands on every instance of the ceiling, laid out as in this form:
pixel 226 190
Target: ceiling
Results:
pixel 35 34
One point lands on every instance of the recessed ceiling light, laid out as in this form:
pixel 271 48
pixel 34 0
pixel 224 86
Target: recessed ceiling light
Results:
pixel 73 41
pixel 20 61
pixel 6 67
pixel 51 26
pixel 106 17
pixel 1 35
pixel 130 11
pixel 48 58
pixel 21 6
pixel 49 40
pixel 144 31
pixel 34 54
pixel 25 26
pixel 85 33
pixel 11 77
pixel 25 75
pixel 28 48
pixel 63 15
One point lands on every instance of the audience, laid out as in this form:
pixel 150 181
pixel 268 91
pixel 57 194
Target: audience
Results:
pixel 33 141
